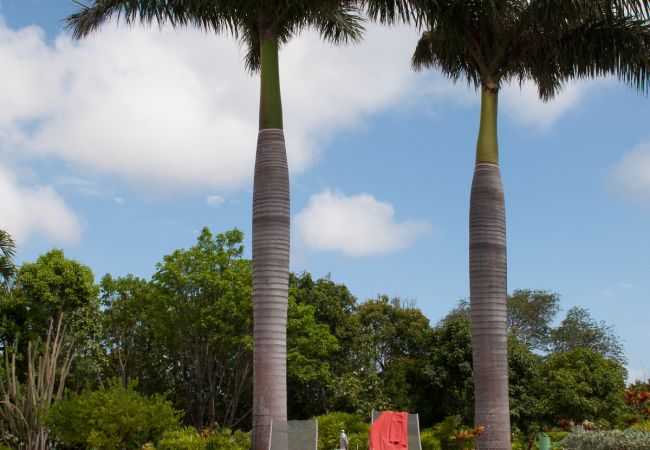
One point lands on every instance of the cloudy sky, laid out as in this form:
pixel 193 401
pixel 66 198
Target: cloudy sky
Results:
pixel 119 148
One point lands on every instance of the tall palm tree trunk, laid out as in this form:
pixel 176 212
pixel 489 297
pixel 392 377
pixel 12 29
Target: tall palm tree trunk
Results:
pixel 270 255
pixel 488 277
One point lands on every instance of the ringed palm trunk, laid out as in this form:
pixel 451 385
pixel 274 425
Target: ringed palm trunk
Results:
pixel 488 277
pixel 270 254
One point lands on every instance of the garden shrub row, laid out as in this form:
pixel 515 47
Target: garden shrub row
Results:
pixel 629 439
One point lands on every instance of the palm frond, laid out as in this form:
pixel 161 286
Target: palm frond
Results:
pixel 390 11
pixel 206 14
pixel 423 56
pixel 249 38
pixel 613 46
pixel 339 25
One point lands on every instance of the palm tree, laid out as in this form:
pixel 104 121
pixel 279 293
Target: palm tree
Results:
pixel 488 43
pixel 7 252
pixel 262 26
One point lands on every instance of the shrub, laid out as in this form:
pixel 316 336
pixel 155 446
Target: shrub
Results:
pixel 642 426
pixel 114 418
pixel 218 439
pixel 451 434
pixel 556 436
pixel 606 440
pixel 429 440
pixel 330 426
pixel 359 441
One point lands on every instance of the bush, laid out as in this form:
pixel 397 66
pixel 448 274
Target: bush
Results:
pixel 114 418
pixel 190 439
pixel 330 426
pixel 557 436
pixel 629 439
pixel 451 434
pixel 642 426
pixel 429 440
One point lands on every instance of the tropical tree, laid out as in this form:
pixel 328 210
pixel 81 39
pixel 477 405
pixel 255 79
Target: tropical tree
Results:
pixel 489 43
pixel 7 252
pixel 262 26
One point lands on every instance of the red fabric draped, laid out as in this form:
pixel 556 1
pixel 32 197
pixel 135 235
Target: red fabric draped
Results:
pixel 389 431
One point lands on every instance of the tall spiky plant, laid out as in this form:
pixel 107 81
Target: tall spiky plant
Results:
pixel 262 26
pixel 488 43
pixel 23 406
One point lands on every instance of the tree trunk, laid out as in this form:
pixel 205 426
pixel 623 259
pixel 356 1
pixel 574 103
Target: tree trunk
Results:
pixel 488 279
pixel 271 216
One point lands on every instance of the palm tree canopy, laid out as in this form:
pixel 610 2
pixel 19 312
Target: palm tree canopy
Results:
pixel 338 21
pixel 546 41
pixel 7 252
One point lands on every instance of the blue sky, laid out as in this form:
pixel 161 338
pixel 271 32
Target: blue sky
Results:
pixel 118 149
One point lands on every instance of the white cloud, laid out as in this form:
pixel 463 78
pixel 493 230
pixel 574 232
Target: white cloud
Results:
pixel 36 210
pixel 358 225
pixel 630 176
pixel 524 106
pixel 175 109
pixel 214 200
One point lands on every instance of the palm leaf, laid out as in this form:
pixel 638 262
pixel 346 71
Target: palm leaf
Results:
pixel 7 252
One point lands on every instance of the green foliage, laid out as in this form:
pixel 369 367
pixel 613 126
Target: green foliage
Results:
pixel 192 325
pixel 116 418
pixel 642 426
pixel 43 291
pixel 530 314
pixel 310 346
pixel 190 439
pixel 132 332
pixel 450 369
pixel 189 330
pixel 49 287
pixel 330 426
pixel 359 391
pixel 450 375
pixel 606 440
pixel 525 404
pixel 580 330
pixel 333 307
pixel 637 402
pixel 556 436
pixel 581 385
pixel 7 252
pixel 448 432
pixel 429 440
pixel 393 342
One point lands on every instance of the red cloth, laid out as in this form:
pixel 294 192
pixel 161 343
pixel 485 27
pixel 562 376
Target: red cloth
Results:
pixel 389 431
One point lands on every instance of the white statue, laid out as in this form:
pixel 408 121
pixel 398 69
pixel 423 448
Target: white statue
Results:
pixel 343 441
